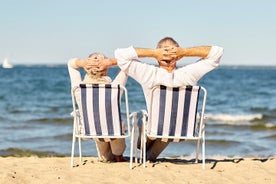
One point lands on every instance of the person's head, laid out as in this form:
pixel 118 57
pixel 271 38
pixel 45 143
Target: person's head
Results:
pixel 163 43
pixel 166 42
pixel 93 73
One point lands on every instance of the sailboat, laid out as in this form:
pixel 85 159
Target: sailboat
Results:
pixel 6 64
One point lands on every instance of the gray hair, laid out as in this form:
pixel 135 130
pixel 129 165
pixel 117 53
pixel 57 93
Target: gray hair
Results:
pixel 166 40
pixel 97 53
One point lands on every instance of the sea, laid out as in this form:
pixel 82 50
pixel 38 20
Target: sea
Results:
pixel 35 107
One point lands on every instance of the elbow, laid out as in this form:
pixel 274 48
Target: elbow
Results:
pixel 72 63
pixel 218 54
pixel 220 51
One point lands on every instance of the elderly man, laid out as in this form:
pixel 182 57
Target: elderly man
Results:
pixel 167 53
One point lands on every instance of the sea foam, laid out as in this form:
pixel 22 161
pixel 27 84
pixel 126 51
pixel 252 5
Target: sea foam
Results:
pixel 233 117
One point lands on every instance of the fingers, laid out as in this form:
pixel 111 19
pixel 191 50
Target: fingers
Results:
pixel 97 65
pixel 99 68
pixel 170 49
pixel 91 64
pixel 169 56
pixel 170 53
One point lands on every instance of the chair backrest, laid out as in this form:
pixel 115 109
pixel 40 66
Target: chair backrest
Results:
pixel 173 112
pixel 100 110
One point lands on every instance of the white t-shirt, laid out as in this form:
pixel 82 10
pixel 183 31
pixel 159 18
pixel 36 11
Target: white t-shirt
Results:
pixel 149 75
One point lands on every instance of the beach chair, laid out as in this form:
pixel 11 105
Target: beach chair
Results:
pixel 174 115
pixel 99 115
pixel 137 120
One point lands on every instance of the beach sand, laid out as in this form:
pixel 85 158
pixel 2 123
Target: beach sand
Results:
pixel 34 170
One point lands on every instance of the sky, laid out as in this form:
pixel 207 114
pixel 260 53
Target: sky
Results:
pixel 53 31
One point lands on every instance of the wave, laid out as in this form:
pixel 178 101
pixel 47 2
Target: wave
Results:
pixel 18 152
pixel 53 120
pixel 234 118
pixel 263 126
pixel 222 142
pixel 254 121
pixel 270 137
pixel 60 137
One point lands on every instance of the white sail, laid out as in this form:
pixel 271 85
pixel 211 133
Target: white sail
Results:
pixel 6 64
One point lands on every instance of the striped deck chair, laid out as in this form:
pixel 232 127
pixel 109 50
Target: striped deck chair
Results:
pixel 99 115
pixel 173 116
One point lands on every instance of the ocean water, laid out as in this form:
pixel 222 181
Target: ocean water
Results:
pixel 35 107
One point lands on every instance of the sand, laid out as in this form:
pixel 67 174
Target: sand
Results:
pixel 55 170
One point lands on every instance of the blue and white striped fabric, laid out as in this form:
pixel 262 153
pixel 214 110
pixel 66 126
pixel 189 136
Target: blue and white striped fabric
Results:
pixel 101 110
pixel 173 111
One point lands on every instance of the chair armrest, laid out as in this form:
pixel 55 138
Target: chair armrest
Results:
pixel 138 117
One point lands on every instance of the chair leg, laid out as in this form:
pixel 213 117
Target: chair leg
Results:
pixel 80 148
pixel 73 151
pixel 197 150
pixel 131 148
pixel 203 151
pixel 135 141
pixel 144 148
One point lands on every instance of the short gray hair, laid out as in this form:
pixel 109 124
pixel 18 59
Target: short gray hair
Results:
pixel 167 39
pixel 97 53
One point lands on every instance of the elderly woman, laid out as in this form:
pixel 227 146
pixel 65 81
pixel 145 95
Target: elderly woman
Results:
pixel 108 151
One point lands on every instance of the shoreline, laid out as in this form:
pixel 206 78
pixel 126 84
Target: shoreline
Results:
pixel 39 170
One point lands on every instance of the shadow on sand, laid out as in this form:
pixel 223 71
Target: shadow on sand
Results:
pixel 214 162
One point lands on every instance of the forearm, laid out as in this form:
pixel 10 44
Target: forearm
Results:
pixel 145 52
pixel 201 51
pixel 111 62
pixel 167 53
pixel 80 62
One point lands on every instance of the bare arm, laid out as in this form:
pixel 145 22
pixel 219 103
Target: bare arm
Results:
pixel 145 52
pixel 83 63
pixel 201 51
pixel 100 64
pixel 79 62
pixel 103 64
pixel 166 53
pixel 170 53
